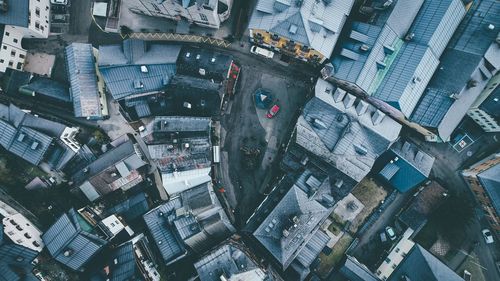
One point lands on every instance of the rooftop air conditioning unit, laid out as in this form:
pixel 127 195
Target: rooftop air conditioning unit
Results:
pixel 144 69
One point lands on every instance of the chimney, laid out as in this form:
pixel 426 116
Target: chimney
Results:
pixel 349 100
pixel 377 117
pixel 361 108
pixel 339 95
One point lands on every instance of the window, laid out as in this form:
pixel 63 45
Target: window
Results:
pixel 13 53
pixel 397 250
pixel 4 47
pixel 394 266
pixel 7 33
pixel 37 25
pixel 2 61
pixel 19 65
pixel 37 12
pixel 15 40
pixel 21 56
pixel 203 17
pixel 387 260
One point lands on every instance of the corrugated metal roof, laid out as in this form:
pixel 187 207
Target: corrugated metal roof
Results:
pixel 432 107
pixel 132 208
pixel 137 67
pixel 83 78
pixel 171 248
pixel 17 13
pixel 69 244
pixel 15 262
pixel 277 232
pixel 123 263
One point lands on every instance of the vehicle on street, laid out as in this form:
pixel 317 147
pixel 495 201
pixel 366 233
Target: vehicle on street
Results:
pixel 390 233
pixel 488 238
pixel 273 111
pixel 261 52
pixel 383 237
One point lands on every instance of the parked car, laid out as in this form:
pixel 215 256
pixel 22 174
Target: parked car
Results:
pixel 383 237
pixel 273 111
pixel 261 52
pixel 488 238
pixel 390 233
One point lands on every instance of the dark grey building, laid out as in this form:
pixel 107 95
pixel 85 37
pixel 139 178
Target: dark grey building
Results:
pixel 193 221
pixel 230 262
pixel 70 241
pixel 290 231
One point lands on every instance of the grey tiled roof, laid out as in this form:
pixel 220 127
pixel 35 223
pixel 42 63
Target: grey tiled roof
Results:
pixel 216 65
pixel 285 238
pixel 419 264
pixel 49 88
pixel 348 141
pixel 132 208
pixel 229 261
pixel 69 244
pixel 171 224
pixel 98 175
pixel 317 24
pixel 432 107
pixel 169 244
pixel 120 66
pixel 17 13
pixel 490 180
pixel 15 262
pixel 82 74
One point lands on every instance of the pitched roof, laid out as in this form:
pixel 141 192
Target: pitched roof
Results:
pixel 313 23
pixel 355 271
pixel 15 262
pixel 471 42
pixel 122 67
pixel 195 218
pixel 132 208
pixel 331 128
pixel 17 13
pixel 406 166
pixel 82 74
pixel 69 243
pixel 48 88
pixel 292 224
pixel 97 177
pixel 490 180
pixel 419 264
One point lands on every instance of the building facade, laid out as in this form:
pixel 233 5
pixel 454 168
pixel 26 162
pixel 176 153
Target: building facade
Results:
pixel 306 30
pixel 483 179
pixel 21 19
pixel 206 13
pixel 486 109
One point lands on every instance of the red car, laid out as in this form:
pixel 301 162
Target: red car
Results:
pixel 273 111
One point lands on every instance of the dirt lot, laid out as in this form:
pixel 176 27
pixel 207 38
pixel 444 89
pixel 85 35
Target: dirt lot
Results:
pixel 370 194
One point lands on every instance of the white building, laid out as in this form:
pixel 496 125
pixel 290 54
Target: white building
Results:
pixel 207 13
pixel 19 229
pixel 21 19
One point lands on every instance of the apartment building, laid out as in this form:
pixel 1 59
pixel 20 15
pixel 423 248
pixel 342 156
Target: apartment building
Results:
pixel 206 13
pixel 21 19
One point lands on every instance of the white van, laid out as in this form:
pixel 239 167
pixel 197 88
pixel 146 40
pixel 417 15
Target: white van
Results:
pixel 262 52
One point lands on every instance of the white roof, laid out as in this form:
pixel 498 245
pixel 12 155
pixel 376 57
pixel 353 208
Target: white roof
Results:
pixel 180 181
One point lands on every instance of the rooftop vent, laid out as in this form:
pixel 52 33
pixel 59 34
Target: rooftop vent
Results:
pixel 339 95
pixel 138 84
pixel 339 183
pixel 21 137
pixel 293 29
pixel 381 65
pixel 364 48
pixel 144 69
pixel 388 50
pixel 198 57
pixel 68 252
pixel 317 123
pixel 361 108
pixel 409 36
pixel 34 145
pixel 202 72
pixel 360 149
pixel 188 54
